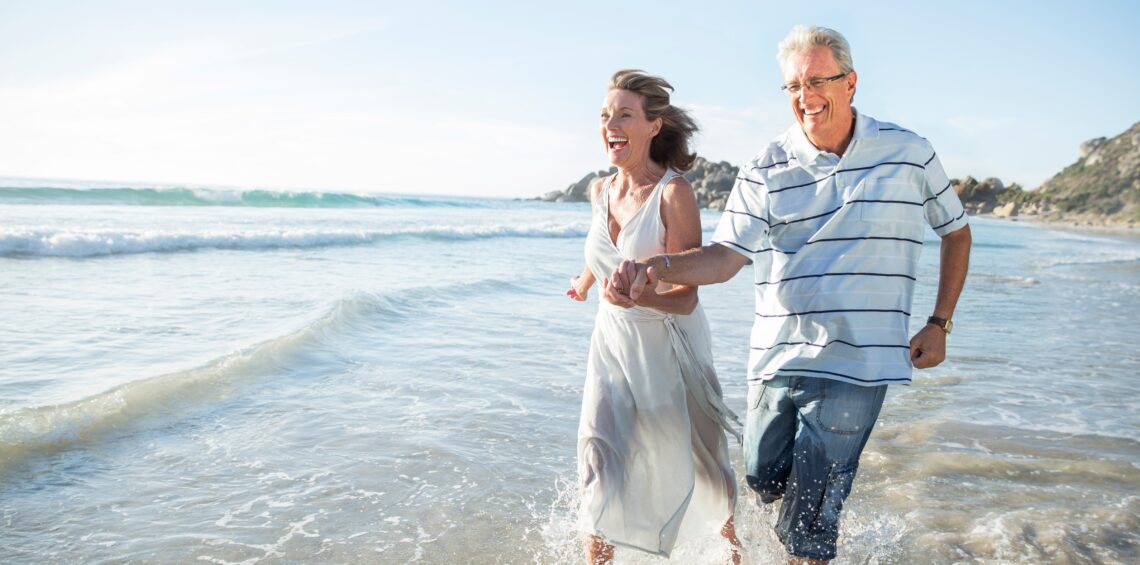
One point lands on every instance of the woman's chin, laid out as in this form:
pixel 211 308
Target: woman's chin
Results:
pixel 618 157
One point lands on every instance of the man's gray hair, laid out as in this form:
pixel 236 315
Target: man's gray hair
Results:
pixel 804 38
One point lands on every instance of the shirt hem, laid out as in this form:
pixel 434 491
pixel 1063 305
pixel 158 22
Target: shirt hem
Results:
pixel 848 380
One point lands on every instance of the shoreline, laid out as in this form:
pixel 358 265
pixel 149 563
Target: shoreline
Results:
pixel 1098 226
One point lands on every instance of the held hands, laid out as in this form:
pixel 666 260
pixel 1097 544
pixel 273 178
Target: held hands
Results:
pixel 629 283
pixel 928 347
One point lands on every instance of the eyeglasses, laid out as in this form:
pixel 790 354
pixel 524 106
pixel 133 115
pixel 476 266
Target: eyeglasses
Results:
pixel 812 84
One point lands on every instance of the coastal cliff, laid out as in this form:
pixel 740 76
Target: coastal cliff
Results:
pixel 1101 188
pixel 1104 183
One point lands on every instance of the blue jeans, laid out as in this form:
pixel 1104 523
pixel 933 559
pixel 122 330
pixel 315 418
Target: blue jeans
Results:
pixel 802 441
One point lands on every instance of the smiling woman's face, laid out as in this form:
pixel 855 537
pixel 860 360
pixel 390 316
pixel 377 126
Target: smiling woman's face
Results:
pixel 626 133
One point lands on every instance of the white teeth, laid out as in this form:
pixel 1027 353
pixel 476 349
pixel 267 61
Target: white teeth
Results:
pixel 808 112
pixel 616 139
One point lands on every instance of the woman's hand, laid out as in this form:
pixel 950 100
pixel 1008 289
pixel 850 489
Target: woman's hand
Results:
pixel 577 291
pixel 615 295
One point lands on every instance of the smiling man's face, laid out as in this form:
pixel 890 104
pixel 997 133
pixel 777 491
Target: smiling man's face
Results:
pixel 825 112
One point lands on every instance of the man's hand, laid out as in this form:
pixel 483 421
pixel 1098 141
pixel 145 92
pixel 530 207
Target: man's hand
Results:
pixel 928 347
pixel 627 283
pixel 634 277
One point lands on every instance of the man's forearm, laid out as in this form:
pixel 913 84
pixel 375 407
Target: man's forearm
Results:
pixel 710 264
pixel 954 262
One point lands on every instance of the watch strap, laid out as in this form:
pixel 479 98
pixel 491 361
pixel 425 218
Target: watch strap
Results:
pixel 943 323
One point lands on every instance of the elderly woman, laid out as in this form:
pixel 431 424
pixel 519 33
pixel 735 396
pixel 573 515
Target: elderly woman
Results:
pixel 652 456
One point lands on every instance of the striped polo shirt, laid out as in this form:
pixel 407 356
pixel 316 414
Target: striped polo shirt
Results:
pixel 835 243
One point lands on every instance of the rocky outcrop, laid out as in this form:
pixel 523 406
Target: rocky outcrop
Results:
pixel 1104 183
pixel 979 197
pixel 712 182
pixel 577 191
pixel 992 196
pixel 1007 210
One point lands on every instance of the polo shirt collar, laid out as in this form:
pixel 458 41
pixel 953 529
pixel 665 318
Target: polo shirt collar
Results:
pixel 865 126
pixel 805 152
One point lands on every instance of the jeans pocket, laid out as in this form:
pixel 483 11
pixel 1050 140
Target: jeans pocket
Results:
pixel 849 409
pixel 755 396
pixel 835 491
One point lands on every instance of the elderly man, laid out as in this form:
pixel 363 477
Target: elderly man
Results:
pixel 832 214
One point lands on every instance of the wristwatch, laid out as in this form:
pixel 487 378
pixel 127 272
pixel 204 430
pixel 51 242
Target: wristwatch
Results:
pixel 943 323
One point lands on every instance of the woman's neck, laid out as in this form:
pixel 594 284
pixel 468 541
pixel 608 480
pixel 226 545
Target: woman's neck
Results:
pixel 644 173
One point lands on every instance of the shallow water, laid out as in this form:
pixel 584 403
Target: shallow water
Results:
pixel 396 380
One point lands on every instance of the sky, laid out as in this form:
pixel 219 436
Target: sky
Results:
pixel 501 98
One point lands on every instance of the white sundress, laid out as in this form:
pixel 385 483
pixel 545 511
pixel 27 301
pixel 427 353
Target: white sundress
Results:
pixel 653 460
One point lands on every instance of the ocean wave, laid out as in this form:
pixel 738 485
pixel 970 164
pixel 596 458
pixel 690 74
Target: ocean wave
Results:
pixel 1118 259
pixel 54 428
pixel 1003 279
pixel 161 399
pixel 258 198
pixel 78 243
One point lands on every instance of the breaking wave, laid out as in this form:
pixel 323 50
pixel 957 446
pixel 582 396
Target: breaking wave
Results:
pixel 22 242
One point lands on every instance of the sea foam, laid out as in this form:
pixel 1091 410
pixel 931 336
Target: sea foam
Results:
pixel 17 242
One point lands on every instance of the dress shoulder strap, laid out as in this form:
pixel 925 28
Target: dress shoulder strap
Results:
pixel 669 175
pixel 609 181
pixel 601 202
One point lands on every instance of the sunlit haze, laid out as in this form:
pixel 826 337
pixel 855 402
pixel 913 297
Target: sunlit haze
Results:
pixel 501 98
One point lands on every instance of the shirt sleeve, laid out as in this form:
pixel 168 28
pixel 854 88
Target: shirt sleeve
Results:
pixel 943 209
pixel 744 225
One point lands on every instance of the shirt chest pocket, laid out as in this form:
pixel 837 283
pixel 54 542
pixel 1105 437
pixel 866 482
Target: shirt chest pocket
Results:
pixel 889 200
pixel 791 205
pixel 795 195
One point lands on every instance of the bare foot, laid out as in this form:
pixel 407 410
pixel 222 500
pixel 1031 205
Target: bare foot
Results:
pixel 729 533
pixel 598 552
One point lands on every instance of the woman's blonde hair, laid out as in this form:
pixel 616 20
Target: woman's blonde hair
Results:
pixel 671 145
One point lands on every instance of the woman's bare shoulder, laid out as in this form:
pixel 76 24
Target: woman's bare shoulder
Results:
pixel 678 190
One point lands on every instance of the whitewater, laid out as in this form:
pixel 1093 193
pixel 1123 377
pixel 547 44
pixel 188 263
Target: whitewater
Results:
pixel 227 375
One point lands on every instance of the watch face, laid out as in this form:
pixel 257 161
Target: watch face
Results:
pixel 949 326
